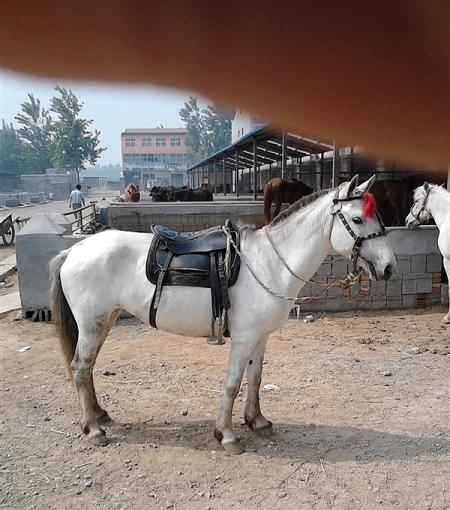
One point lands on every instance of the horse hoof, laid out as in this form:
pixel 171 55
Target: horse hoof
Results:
pixel 212 340
pixel 99 439
pixel 264 430
pixel 233 448
pixel 446 319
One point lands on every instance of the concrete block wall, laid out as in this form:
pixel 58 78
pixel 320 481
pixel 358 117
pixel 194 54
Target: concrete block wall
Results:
pixel 417 283
pixel 179 216
pixel 13 199
pixel 43 237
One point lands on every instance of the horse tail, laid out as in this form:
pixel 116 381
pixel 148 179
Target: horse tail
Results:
pixel 267 202
pixel 62 315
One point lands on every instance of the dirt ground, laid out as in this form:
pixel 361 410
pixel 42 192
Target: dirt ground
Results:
pixel 359 421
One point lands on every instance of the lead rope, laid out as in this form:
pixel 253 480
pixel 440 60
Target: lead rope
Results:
pixel 282 296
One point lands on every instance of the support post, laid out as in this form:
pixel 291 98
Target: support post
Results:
pixel 321 170
pixel 335 170
pixel 283 154
pixel 224 175
pixel 255 162
pixel 236 174
pixel 215 177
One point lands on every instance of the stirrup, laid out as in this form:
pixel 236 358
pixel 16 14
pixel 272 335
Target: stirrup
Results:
pixel 216 337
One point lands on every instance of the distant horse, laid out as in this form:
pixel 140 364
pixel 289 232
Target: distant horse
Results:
pixel 280 191
pixel 190 195
pixel 101 275
pixel 161 193
pixel 433 201
pixel 132 193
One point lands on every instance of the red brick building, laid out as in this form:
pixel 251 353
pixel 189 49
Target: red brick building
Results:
pixel 154 156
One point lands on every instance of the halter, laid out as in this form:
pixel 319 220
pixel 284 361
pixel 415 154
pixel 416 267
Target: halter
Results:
pixel 423 208
pixel 358 239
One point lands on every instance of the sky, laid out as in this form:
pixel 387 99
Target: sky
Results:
pixel 113 108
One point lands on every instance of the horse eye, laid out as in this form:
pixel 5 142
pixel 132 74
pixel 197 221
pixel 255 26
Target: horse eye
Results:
pixel 357 220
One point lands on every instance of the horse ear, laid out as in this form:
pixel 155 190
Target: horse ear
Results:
pixel 348 187
pixel 426 186
pixel 365 186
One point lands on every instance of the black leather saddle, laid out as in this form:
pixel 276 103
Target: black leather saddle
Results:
pixel 204 258
pixel 201 241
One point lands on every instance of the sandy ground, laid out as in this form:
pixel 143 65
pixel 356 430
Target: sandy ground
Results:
pixel 359 421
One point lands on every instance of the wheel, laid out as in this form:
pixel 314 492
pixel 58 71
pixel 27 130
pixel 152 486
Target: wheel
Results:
pixel 9 236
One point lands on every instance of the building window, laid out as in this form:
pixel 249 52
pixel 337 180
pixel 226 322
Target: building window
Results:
pixel 130 142
pixel 175 142
pixel 160 142
pixel 146 142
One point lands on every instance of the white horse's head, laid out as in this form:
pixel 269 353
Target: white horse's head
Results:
pixel 419 212
pixel 357 231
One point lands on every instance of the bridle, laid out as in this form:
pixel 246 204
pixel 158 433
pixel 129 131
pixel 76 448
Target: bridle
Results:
pixel 345 283
pixel 356 250
pixel 423 208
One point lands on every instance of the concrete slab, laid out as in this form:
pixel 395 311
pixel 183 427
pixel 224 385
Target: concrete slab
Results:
pixel 7 267
pixel 9 303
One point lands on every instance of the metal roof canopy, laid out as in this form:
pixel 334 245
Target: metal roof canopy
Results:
pixel 269 142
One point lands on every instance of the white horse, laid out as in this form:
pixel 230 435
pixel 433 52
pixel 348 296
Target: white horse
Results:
pixel 104 274
pixel 431 200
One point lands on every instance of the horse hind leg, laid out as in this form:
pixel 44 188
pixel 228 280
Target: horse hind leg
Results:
pixel 252 412
pixel 446 319
pixel 90 341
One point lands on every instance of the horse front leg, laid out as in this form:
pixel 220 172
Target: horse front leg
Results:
pixel 252 414
pixel 446 319
pixel 239 355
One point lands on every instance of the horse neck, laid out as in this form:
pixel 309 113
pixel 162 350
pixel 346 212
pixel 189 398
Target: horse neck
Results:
pixel 303 240
pixel 439 205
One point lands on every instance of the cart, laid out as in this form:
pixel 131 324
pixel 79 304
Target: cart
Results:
pixel 7 230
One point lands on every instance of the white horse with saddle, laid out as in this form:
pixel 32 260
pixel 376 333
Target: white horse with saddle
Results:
pixel 433 201
pixel 102 275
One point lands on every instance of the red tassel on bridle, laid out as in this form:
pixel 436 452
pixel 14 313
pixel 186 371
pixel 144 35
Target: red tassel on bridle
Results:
pixel 369 205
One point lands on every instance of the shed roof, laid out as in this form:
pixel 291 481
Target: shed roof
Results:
pixel 269 143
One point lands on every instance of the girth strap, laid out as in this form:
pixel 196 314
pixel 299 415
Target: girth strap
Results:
pixel 159 285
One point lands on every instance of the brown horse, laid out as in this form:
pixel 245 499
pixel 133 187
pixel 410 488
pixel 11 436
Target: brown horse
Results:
pixel 280 191
pixel 132 193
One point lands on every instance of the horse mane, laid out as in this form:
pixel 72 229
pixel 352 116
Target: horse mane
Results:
pixel 300 204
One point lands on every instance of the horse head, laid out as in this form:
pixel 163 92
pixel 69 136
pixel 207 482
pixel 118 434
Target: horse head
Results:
pixel 357 231
pixel 419 212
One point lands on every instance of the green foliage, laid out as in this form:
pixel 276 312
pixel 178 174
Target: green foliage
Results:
pixel 12 150
pixel 36 131
pixel 74 145
pixel 209 129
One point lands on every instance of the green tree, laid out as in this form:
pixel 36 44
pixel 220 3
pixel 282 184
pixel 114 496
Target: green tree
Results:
pixel 209 129
pixel 74 144
pixel 36 130
pixel 192 117
pixel 11 150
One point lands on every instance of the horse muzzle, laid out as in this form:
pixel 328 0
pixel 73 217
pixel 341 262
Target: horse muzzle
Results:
pixel 411 222
pixel 383 272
